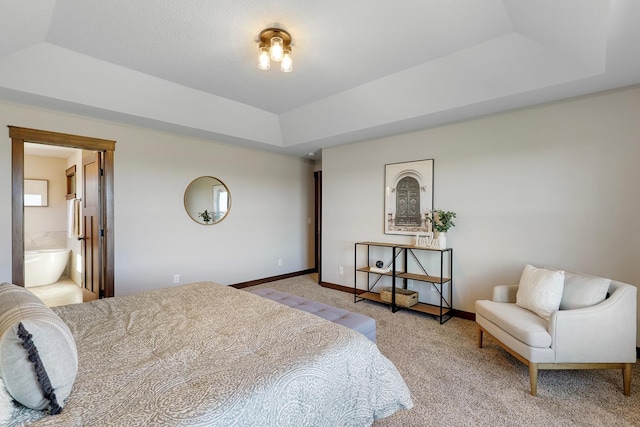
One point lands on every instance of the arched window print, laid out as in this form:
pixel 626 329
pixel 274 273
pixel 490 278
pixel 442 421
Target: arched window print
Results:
pixel 408 202
pixel 408 197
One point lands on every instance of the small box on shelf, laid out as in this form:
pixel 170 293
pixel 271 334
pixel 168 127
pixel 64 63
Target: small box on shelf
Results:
pixel 404 297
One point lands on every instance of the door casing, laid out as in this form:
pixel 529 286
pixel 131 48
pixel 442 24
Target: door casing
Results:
pixel 21 135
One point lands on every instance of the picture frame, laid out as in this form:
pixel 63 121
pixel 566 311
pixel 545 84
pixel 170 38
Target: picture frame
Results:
pixel 36 192
pixel 408 197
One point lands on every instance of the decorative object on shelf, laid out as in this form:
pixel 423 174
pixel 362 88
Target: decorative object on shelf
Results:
pixel 404 297
pixel 379 264
pixel 380 270
pixel 424 241
pixel 408 197
pixel 275 45
pixel 441 221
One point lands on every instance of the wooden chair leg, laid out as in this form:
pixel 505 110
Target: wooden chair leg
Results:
pixel 533 378
pixel 479 336
pixel 626 379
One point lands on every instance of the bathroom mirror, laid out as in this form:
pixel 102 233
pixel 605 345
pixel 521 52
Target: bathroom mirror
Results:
pixel 207 200
pixel 36 192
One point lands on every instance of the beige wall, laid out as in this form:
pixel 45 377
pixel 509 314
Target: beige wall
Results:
pixel 154 237
pixel 554 185
pixel 45 226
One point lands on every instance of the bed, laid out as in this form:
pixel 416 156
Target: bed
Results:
pixel 210 355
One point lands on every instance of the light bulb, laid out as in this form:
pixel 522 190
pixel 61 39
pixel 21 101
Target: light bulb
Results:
pixel 264 62
pixel 287 63
pixel 276 49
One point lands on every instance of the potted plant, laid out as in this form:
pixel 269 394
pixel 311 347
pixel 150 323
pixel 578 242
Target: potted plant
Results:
pixel 442 221
pixel 206 216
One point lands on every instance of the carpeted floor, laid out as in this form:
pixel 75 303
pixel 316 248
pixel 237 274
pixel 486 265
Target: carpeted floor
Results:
pixel 454 383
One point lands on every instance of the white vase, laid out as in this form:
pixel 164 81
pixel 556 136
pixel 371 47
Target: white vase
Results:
pixel 442 240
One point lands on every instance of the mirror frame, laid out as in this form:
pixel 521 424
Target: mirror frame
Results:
pixel 193 215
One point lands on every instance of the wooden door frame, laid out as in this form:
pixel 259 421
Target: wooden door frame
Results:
pixel 21 135
pixel 318 223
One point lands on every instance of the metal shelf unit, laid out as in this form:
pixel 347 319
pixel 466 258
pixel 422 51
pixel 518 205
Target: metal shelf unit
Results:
pixel 399 267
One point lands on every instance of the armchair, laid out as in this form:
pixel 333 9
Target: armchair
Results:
pixel 598 336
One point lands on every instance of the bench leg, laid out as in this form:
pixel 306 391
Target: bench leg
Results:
pixel 533 378
pixel 626 379
pixel 479 336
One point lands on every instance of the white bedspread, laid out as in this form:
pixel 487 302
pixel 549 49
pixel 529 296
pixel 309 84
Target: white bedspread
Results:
pixel 210 355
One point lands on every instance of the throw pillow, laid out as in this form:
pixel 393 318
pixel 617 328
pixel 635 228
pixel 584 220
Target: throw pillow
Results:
pixel 540 290
pixel 583 291
pixel 38 356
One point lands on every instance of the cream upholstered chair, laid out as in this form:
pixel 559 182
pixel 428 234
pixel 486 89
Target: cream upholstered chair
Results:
pixel 586 334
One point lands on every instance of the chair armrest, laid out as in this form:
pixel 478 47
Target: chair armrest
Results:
pixel 505 293
pixel 603 333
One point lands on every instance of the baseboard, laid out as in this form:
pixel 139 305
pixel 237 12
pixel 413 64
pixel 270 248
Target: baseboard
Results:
pixel 456 313
pixel 272 278
pixel 340 288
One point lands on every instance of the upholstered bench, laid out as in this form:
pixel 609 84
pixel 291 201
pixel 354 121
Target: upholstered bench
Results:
pixel 361 323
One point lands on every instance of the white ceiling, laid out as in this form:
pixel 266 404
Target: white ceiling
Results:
pixel 362 68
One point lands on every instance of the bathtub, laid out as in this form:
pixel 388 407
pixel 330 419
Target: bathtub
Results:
pixel 44 266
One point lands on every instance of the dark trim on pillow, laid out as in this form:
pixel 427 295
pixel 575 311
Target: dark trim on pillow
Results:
pixel 637 352
pixel 41 374
pixel 272 279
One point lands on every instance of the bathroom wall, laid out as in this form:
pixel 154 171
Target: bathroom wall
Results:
pixel 46 226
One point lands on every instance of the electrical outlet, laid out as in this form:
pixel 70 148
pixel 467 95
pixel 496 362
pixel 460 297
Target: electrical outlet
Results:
pixel 176 278
pixel 409 284
pixel 341 270
pixel 279 261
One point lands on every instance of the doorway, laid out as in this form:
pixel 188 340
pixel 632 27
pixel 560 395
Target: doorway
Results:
pixel 318 223
pixel 105 232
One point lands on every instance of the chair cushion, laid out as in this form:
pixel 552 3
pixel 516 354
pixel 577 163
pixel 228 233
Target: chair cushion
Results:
pixel 540 290
pixel 38 355
pixel 583 291
pixel 518 322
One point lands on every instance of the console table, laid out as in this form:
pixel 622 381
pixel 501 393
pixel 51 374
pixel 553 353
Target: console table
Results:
pixel 400 267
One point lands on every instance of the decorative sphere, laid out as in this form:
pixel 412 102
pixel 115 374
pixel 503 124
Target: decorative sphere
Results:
pixel 379 264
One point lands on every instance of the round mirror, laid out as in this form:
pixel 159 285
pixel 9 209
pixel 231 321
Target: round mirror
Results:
pixel 207 200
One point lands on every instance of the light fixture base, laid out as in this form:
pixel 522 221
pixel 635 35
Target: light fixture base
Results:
pixel 267 34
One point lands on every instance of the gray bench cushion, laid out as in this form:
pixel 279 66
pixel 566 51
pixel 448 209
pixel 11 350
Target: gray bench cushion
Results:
pixel 361 323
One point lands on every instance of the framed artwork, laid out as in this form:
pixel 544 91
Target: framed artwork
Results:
pixel 36 192
pixel 408 197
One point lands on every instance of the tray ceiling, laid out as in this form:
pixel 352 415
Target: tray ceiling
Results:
pixel 362 69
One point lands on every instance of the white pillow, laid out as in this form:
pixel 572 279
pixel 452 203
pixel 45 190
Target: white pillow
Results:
pixel 583 291
pixel 540 290
pixel 38 355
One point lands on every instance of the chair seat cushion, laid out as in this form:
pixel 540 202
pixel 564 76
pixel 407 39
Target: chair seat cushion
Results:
pixel 518 322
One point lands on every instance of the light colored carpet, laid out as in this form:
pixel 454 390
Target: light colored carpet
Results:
pixel 455 383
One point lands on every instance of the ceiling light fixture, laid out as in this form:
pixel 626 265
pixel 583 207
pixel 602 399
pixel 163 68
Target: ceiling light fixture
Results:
pixel 275 45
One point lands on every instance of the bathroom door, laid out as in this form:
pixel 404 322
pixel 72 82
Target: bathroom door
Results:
pixel 91 224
